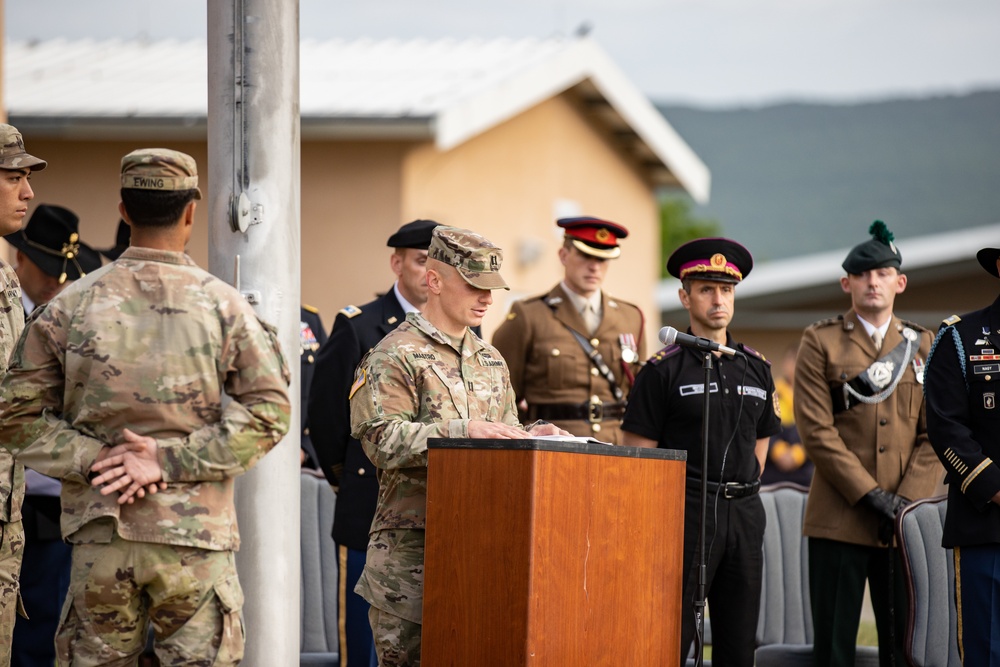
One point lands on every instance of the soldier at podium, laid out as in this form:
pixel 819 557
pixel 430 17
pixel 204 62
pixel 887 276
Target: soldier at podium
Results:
pixel 432 377
pixel 666 409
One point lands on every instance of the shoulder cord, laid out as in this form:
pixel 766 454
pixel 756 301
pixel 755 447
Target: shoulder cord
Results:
pixel 959 348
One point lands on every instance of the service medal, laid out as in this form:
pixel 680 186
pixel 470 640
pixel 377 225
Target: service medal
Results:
pixel 918 368
pixel 630 352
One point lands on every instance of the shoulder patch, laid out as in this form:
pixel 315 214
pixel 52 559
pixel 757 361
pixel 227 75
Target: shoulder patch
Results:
pixel 752 352
pixel 359 382
pixel 312 309
pixel 665 353
pixel 951 321
pixel 350 311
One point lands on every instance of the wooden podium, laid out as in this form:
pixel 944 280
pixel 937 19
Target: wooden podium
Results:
pixel 549 553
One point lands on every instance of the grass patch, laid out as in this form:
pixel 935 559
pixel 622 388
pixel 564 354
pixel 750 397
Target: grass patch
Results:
pixel 867 634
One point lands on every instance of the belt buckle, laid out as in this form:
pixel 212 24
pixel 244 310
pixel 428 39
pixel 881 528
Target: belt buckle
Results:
pixel 729 490
pixel 595 410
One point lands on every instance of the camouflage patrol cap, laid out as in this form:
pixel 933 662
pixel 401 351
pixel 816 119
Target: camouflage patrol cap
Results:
pixel 160 169
pixel 476 258
pixel 12 153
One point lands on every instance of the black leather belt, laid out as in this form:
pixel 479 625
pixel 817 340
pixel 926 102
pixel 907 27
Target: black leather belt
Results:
pixel 734 489
pixel 592 412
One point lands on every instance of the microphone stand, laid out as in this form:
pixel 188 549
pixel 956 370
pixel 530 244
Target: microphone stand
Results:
pixel 699 598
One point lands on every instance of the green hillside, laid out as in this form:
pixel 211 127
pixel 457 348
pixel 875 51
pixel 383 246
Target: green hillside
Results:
pixel 802 178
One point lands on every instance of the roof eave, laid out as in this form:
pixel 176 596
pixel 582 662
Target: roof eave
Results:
pixel 658 149
pixel 194 127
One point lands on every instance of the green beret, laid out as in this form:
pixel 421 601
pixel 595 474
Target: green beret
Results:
pixel 877 253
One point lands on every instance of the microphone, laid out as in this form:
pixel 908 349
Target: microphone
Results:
pixel 671 336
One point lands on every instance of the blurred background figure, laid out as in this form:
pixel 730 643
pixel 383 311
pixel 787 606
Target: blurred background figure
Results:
pixel 786 457
pixel 123 236
pixel 312 335
pixel 50 256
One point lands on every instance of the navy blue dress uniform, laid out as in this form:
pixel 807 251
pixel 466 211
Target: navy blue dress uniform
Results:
pixel 666 405
pixel 312 335
pixel 860 411
pixel 50 240
pixel 342 459
pixel 564 372
pixel 963 418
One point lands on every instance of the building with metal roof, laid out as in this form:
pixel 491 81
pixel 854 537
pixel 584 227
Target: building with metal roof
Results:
pixel 499 135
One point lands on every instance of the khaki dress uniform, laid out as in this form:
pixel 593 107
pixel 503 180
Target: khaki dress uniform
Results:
pixel 882 444
pixel 552 373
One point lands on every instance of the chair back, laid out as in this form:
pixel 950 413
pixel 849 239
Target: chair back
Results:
pixel 319 641
pixel 785 614
pixel 929 570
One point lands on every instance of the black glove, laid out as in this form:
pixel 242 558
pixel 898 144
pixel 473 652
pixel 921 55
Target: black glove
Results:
pixel 885 505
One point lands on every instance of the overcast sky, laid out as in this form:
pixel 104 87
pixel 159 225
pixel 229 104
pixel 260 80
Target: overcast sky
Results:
pixel 707 52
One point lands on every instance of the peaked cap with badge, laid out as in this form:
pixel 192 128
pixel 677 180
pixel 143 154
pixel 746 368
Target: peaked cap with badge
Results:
pixel 876 253
pixel 51 240
pixel 594 236
pixel 717 259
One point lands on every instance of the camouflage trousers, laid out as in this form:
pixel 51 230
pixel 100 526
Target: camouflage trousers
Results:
pixel 11 548
pixel 397 641
pixel 191 596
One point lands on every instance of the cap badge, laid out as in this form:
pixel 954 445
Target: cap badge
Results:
pixel 602 235
pixel 494 263
pixel 718 260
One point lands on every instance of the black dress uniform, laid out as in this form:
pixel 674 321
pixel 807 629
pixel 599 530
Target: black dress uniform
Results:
pixel 666 405
pixel 312 335
pixel 962 385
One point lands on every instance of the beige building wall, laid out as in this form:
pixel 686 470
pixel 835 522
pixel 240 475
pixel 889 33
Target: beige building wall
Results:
pixel 509 183
pixel 83 176
pixel 512 182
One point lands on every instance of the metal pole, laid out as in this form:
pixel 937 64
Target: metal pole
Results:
pixel 253 203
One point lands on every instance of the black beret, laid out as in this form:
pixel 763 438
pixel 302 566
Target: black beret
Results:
pixel 988 260
pixel 51 240
pixel 876 253
pixel 718 259
pixel 416 234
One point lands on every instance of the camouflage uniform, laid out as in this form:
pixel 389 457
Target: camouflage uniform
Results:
pixel 12 157
pixel 11 474
pixel 417 383
pixel 148 343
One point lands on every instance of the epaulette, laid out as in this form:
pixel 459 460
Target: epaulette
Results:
pixel 752 352
pixel 312 309
pixel 951 321
pixel 665 353
pixel 827 322
pixel 916 327
pixel 350 311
